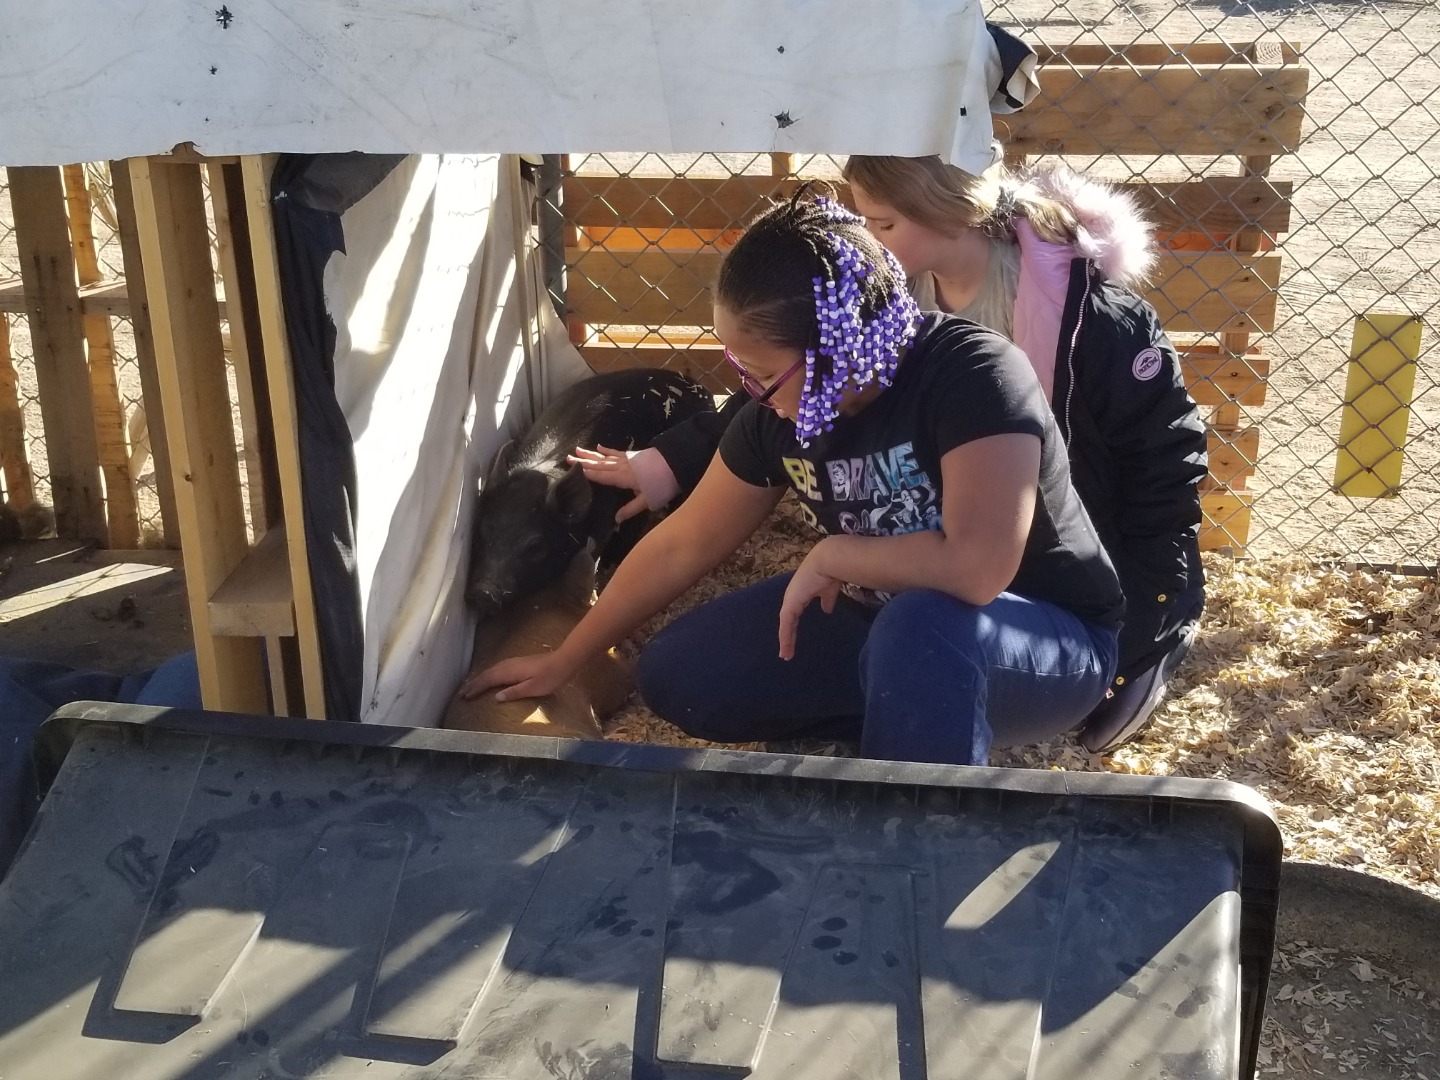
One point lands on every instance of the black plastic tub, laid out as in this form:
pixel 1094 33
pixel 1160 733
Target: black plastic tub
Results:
pixel 211 895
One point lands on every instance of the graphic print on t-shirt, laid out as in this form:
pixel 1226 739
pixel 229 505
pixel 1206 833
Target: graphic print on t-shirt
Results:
pixel 885 493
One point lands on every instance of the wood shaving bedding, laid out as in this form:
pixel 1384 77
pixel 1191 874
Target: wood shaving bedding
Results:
pixel 1319 687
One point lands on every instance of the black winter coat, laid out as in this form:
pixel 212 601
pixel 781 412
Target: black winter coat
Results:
pixel 1137 455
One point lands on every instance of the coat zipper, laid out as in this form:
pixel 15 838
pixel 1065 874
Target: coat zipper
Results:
pixel 1070 357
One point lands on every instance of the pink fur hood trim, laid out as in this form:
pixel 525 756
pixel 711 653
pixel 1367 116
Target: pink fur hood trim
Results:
pixel 1112 234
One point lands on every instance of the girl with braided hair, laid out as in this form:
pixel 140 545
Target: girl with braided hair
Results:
pixel 958 596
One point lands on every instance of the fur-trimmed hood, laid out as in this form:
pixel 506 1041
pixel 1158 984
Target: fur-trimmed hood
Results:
pixel 1113 232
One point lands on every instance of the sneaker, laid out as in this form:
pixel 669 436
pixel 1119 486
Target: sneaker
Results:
pixel 1124 712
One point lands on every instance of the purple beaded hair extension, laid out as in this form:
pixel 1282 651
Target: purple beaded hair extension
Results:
pixel 860 350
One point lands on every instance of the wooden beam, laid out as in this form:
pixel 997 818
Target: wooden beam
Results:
pixel 256 173
pixel 1226 519
pixel 57 336
pixel 1149 51
pixel 1219 205
pixel 706 365
pixel 145 350
pixel 1236 108
pixel 1216 377
pixel 256 599
pixel 14 454
pixel 194 394
pixel 1233 456
pixel 1193 292
pixel 121 519
pixel 106 298
pixel 227 197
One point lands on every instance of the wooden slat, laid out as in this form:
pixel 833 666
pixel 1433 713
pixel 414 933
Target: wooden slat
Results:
pixel 175 246
pixel 1248 240
pixel 1194 292
pixel 256 174
pixel 14 454
pixel 1219 205
pixel 1214 292
pixel 1238 108
pixel 703 364
pixel 651 288
pixel 57 336
pixel 256 599
pixel 121 519
pixel 107 298
pixel 1233 455
pixel 1211 377
pixel 145 350
pixel 1217 378
pixel 227 197
pixel 663 201
pixel 1152 51
pixel 1226 519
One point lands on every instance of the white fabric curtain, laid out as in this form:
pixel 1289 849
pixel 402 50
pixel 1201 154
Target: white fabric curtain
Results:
pixel 89 80
pixel 444 349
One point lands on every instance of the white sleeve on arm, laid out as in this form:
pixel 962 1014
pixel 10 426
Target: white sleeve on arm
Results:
pixel 652 473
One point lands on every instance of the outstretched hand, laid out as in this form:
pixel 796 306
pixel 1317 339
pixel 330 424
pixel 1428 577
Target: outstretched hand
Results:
pixel 519 677
pixel 612 468
pixel 807 585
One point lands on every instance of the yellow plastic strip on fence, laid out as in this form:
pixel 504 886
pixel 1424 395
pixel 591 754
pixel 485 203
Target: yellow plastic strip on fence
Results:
pixel 1379 386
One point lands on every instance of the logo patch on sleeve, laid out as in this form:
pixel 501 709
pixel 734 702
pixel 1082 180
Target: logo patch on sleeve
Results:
pixel 1147 364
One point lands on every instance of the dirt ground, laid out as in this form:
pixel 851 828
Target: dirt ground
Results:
pixel 93 610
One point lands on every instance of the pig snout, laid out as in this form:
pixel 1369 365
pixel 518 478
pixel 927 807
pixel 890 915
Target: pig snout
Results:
pixel 485 600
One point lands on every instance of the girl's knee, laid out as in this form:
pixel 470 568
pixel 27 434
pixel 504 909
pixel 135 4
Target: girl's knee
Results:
pixel 915 620
pixel 673 682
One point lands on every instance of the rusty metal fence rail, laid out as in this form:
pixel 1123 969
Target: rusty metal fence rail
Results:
pixel 1287 157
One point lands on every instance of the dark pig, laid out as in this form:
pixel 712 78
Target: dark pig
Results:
pixel 535 511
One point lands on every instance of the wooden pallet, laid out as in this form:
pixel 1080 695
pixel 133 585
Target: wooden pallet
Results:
pixel 642 251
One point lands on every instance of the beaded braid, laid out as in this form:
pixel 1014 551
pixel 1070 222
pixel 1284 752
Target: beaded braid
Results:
pixel 855 321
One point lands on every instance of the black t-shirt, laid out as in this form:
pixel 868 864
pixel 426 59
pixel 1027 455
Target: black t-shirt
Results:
pixel 878 472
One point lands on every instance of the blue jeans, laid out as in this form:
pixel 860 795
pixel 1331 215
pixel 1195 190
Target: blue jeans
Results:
pixel 925 678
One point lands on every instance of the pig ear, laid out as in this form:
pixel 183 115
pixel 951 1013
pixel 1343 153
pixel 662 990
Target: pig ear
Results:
pixel 570 495
pixel 500 467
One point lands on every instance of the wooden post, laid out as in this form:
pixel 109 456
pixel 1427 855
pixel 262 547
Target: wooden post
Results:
pixel 782 164
pixel 14 456
pixel 571 235
pixel 145 350
pixel 195 397
pixel 123 526
pixel 256 173
pixel 227 197
pixel 57 334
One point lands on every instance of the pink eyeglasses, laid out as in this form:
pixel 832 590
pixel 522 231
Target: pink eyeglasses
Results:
pixel 754 387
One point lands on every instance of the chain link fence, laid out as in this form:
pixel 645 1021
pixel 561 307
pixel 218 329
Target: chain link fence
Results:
pixel 1288 153
pixel 128 476
pixel 131 475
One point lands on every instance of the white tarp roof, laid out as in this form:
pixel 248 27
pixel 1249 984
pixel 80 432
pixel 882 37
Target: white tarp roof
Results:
pixel 85 80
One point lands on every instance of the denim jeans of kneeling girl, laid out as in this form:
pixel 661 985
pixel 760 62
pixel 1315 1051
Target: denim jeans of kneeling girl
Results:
pixel 925 678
